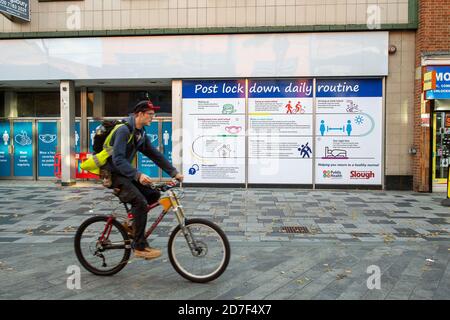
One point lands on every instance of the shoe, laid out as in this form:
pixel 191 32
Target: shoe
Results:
pixel 147 253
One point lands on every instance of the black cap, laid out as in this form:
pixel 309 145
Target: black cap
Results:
pixel 143 106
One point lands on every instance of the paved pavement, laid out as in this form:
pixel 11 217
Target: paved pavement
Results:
pixel 405 234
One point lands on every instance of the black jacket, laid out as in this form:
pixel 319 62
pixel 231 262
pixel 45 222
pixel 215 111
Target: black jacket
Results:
pixel 124 153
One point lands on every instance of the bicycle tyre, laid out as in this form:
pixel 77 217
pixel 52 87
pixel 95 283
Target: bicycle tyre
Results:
pixel 79 252
pixel 224 239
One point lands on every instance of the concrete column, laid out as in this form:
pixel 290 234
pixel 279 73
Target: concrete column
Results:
pixel 177 125
pixel 99 104
pixel 11 104
pixel 68 163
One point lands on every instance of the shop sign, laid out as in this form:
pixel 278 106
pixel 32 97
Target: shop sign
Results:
pixel 16 8
pixel 429 80
pixel 442 90
pixel 425 119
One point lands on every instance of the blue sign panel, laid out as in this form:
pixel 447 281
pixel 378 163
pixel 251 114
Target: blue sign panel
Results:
pixel 299 88
pixel 47 146
pixel 349 88
pixel 77 137
pixel 93 124
pixel 16 8
pixel 5 158
pixel 442 83
pixel 213 89
pixel 23 149
pixel 167 143
pixel 145 165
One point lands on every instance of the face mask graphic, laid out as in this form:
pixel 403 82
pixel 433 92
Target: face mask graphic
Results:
pixel 47 138
pixel 233 129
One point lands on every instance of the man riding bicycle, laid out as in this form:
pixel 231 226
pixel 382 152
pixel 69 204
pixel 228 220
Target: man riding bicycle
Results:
pixel 131 182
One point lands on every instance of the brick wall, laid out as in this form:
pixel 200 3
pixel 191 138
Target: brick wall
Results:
pixel 433 35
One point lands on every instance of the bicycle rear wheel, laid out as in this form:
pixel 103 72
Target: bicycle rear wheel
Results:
pixel 210 259
pixel 103 258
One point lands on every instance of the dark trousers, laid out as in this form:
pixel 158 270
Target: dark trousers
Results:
pixel 139 197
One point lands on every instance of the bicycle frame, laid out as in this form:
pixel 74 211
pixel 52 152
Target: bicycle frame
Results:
pixel 171 201
pixel 166 202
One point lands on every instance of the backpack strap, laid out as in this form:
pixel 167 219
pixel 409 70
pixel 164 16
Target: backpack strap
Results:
pixel 107 146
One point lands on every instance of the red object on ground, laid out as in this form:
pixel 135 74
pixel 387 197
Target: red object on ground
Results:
pixel 57 165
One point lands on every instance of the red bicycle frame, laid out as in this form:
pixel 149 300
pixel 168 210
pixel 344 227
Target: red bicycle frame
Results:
pixel 108 225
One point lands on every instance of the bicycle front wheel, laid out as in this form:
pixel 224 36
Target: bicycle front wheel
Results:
pixel 210 256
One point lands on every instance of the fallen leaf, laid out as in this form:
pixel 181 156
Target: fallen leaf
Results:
pixel 341 276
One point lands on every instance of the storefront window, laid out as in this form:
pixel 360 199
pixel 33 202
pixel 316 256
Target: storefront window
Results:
pixel 38 104
pixel 120 103
pixel 25 104
pixel 47 104
pixel 442 145
pixel 2 104
pixel 90 104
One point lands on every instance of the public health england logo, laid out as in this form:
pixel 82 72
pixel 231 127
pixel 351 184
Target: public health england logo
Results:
pixel 332 174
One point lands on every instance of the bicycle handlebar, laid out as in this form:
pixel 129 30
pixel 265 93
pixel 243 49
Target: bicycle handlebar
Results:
pixel 164 186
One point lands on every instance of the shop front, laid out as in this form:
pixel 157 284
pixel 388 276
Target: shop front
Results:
pixel 298 109
pixel 440 104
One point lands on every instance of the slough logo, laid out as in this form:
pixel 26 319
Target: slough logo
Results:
pixel 362 174
pixel 332 174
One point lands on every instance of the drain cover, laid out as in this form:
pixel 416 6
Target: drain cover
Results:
pixel 295 229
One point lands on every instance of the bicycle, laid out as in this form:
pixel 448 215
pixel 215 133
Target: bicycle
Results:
pixel 204 239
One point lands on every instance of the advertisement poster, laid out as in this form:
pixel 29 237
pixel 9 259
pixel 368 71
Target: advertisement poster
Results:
pixel 145 165
pixel 214 131
pixel 5 158
pixel 349 131
pixel 23 149
pixel 167 143
pixel 77 137
pixel 280 123
pixel 47 145
pixel 92 125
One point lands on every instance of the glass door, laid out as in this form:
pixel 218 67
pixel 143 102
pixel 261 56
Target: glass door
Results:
pixel 5 149
pixel 23 149
pixel 441 150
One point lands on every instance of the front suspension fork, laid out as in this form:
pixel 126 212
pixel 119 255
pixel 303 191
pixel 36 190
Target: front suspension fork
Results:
pixel 179 213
